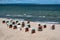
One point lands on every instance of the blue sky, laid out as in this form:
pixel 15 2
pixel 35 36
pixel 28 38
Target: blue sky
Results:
pixel 31 1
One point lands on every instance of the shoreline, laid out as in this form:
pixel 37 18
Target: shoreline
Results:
pixel 38 19
pixel 47 22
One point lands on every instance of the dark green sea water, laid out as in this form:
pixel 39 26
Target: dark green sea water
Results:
pixel 43 13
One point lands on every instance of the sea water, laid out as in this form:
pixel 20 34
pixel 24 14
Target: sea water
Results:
pixel 31 12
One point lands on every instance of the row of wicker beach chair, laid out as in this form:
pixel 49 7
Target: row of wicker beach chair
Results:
pixel 17 24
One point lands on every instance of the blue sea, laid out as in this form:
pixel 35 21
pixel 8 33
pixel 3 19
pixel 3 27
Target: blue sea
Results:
pixel 31 12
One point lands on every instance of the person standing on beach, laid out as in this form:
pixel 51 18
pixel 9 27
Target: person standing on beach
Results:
pixel 23 24
pixel 53 27
pixel 39 27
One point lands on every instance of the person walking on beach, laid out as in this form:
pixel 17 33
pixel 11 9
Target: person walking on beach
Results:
pixel 23 24
pixel 39 27
pixel 53 27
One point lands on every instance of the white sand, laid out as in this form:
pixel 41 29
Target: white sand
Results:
pixel 14 34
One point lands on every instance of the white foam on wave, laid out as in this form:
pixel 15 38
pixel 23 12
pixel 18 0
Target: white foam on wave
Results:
pixel 24 14
pixel 15 15
pixel 8 15
pixel 52 22
pixel 20 15
pixel 58 17
pixel 29 16
pixel 42 16
pixel 48 22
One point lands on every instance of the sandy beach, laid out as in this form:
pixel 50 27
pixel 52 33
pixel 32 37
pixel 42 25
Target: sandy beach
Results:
pixel 14 34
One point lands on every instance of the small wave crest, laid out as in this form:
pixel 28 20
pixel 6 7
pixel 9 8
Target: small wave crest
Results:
pixel 20 15
pixel 42 16
pixel 48 22
pixel 14 15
